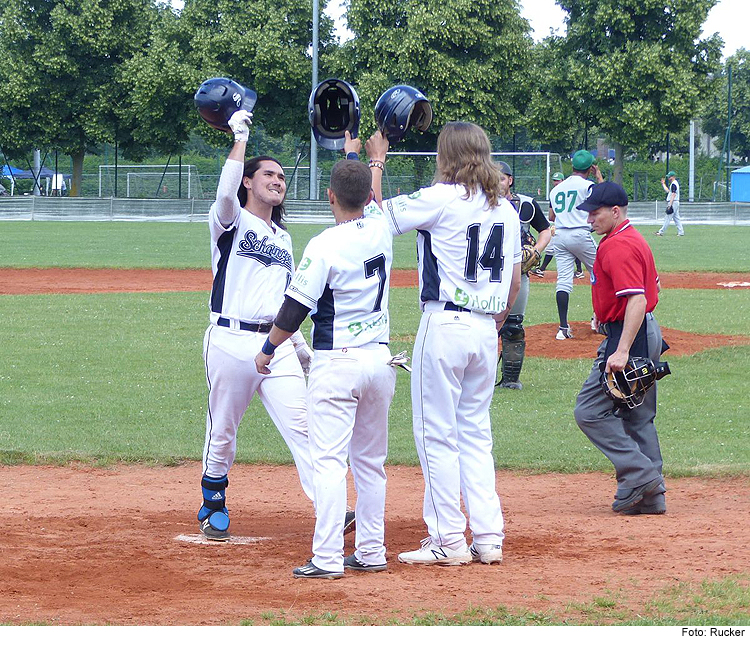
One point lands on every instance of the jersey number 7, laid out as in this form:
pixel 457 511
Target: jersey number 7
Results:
pixel 373 266
pixel 492 254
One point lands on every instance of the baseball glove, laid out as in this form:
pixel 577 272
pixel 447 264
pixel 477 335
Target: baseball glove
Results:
pixel 670 210
pixel 529 258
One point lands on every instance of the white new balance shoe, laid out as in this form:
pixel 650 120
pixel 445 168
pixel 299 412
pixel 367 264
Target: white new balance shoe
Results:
pixel 430 553
pixel 486 553
pixel 563 333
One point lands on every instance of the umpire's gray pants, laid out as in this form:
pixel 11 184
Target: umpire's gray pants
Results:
pixel 631 445
pixel 571 244
pixel 675 215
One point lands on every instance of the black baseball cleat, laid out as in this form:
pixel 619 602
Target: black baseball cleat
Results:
pixel 350 522
pixel 636 495
pixel 311 571
pixel 654 505
pixel 351 562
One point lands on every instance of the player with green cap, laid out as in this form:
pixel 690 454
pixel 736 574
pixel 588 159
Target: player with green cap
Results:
pixel 572 235
pixel 673 204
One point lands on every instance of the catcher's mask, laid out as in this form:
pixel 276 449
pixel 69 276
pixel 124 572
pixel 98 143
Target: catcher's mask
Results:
pixel 400 108
pixel 627 388
pixel 219 97
pixel 333 109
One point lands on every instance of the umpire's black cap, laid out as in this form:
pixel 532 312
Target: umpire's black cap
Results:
pixel 606 194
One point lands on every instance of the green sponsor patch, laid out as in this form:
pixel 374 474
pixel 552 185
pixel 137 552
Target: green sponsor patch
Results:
pixel 305 263
pixel 461 297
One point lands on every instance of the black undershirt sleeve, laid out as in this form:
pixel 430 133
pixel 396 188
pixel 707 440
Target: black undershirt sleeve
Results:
pixel 539 221
pixel 291 315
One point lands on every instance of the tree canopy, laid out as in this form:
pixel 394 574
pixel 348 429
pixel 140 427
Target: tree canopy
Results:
pixel 637 67
pixel 715 114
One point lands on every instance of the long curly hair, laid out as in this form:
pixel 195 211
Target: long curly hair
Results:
pixel 251 167
pixel 464 158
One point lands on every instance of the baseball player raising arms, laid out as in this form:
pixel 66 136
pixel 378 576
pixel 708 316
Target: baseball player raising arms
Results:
pixel 343 279
pixel 251 258
pixel 572 235
pixel 469 247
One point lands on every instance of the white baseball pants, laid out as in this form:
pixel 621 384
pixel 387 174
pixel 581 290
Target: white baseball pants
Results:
pixel 233 380
pixel 675 215
pixel 348 396
pixel 452 383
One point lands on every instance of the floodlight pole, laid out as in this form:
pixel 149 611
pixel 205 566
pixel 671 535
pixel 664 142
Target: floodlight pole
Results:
pixel 691 192
pixel 313 144
pixel 37 172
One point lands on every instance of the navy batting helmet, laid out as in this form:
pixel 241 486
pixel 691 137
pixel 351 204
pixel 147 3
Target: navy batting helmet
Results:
pixel 333 109
pixel 399 108
pixel 219 97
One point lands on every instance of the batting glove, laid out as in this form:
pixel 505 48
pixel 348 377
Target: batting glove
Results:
pixel 239 123
pixel 303 351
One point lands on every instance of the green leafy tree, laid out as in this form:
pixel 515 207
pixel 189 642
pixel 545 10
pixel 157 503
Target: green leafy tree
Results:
pixel 59 70
pixel 715 115
pixel 469 57
pixel 264 45
pixel 638 67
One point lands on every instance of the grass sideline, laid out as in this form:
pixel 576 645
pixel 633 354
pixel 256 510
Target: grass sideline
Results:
pixel 710 603
pixel 119 377
pixel 34 244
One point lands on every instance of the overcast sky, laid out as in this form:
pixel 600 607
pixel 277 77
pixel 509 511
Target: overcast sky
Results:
pixel 729 17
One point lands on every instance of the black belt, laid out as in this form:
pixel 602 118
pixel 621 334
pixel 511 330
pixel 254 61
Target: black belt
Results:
pixel 263 327
pixel 449 306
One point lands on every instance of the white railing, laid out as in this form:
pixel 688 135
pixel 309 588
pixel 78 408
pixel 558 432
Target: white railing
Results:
pixel 194 210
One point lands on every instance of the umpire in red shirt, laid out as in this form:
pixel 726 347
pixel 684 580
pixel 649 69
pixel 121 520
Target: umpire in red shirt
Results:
pixel 624 290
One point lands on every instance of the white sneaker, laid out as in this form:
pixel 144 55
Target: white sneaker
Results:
pixel 594 327
pixel 486 553
pixel 579 275
pixel 429 554
pixel 563 333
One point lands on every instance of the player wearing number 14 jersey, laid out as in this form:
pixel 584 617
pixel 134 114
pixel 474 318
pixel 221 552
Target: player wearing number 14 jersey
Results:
pixel 469 247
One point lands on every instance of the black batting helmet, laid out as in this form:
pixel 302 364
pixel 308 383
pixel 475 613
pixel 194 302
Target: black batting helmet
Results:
pixel 628 387
pixel 219 97
pixel 399 108
pixel 333 109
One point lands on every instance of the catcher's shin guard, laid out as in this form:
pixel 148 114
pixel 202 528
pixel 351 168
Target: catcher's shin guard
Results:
pixel 213 515
pixel 514 347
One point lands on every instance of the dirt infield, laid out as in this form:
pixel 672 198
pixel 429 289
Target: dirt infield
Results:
pixel 93 546
pixel 25 281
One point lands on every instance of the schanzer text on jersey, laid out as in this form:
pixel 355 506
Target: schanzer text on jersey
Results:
pixel 261 250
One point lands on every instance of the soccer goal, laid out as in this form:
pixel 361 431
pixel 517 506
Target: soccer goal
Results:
pixel 532 171
pixel 150 181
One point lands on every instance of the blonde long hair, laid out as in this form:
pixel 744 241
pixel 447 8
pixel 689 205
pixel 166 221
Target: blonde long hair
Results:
pixel 464 158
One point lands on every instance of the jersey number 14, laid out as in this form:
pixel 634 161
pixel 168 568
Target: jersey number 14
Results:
pixel 492 254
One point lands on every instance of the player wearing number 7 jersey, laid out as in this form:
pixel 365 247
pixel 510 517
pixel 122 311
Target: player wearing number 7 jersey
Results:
pixel 572 237
pixel 469 248
pixel 342 281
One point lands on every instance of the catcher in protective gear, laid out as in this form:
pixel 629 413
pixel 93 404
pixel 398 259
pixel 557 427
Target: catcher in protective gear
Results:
pixel 512 334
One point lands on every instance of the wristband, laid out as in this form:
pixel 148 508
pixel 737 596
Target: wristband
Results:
pixel 268 348
pixel 352 155
pixel 374 163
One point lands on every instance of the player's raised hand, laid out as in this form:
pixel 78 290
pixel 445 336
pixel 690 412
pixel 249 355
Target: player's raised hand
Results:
pixel 239 122
pixel 351 145
pixel 261 363
pixel 377 147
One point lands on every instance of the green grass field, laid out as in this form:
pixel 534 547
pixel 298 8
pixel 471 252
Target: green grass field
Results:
pixel 119 377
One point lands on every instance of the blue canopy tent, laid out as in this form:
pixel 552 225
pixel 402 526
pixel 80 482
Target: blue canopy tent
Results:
pixel 45 173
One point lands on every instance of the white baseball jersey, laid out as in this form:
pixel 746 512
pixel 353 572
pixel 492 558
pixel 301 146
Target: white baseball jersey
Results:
pixel 344 278
pixel 466 271
pixel 252 265
pixel 674 187
pixel 564 199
